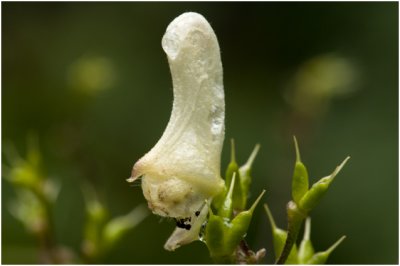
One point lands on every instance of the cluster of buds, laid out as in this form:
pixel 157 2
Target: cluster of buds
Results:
pixel 227 227
pixel 305 253
pixel 304 199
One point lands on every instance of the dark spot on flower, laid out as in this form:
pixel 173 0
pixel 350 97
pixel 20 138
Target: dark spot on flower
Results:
pixel 183 223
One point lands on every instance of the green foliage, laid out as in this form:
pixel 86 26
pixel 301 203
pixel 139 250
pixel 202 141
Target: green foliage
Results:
pixel 33 207
pixel 102 232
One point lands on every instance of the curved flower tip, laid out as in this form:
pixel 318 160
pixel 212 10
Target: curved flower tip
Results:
pixel 182 170
pixel 181 236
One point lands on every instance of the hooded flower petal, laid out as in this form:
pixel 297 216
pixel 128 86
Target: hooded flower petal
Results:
pixel 182 170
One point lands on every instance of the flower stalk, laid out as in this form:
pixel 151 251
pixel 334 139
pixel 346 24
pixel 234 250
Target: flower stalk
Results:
pixel 304 200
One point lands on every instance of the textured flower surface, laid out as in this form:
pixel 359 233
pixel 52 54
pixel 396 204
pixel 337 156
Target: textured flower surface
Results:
pixel 182 171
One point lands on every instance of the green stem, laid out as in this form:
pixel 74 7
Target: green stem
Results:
pixel 46 236
pixel 295 219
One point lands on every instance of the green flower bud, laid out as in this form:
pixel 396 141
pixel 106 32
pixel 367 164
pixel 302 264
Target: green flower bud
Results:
pixel 245 175
pixel 117 227
pixel 240 224
pixel 226 208
pixel 233 169
pixel 306 250
pixel 279 238
pixel 25 172
pixel 322 257
pixel 215 236
pixel 222 236
pixel 24 175
pixel 96 215
pixel 300 177
pixel 29 211
pixel 319 189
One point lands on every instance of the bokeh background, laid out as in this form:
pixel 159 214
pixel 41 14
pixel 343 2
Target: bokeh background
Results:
pixel 92 82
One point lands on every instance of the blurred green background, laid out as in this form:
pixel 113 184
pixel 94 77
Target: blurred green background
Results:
pixel 91 80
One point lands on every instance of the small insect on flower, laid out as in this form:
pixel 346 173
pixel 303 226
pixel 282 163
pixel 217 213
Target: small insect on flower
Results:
pixel 182 171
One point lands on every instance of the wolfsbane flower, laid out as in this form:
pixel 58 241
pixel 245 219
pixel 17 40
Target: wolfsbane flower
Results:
pixel 182 171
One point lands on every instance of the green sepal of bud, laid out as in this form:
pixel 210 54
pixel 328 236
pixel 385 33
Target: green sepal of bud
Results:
pixel 300 177
pixel 306 250
pixel 218 200
pixel 322 257
pixel 240 224
pixel 279 238
pixel 245 175
pixel 319 189
pixel 233 169
pixel 222 236
pixel 215 235
pixel 226 208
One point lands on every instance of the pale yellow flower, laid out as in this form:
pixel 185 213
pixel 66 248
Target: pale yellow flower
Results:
pixel 182 171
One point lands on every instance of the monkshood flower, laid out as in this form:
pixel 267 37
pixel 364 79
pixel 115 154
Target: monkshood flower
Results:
pixel 181 173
